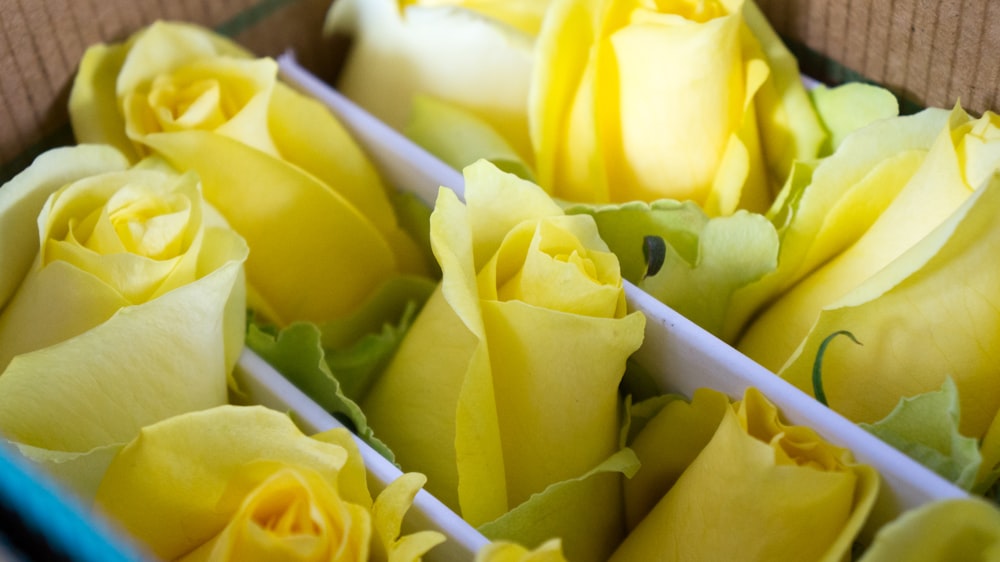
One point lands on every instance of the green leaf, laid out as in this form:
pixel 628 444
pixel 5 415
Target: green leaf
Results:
pixel 297 354
pixel 336 364
pixel 386 306
pixel 357 366
pixel 925 427
pixel 705 260
pixel 590 521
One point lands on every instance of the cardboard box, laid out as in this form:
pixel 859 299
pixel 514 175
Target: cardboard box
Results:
pixel 927 53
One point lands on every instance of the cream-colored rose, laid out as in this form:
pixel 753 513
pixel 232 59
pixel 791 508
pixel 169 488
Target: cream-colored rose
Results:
pixel 685 100
pixel 475 56
pixel 243 483
pixel 121 303
pixel 507 381
pixel 276 164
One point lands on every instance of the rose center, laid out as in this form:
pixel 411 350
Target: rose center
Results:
pixel 699 11
pixel 137 220
pixel 196 105
pixel 548 266
pixel 286 515
pixel 583 263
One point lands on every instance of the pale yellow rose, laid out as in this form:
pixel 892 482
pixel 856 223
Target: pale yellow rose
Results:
pixel 276 164
pixel 723 481
pixel 243 483
pixel 475 56
pixel 894 238
pixel 635 100
pixel 121 303
pixel 507 382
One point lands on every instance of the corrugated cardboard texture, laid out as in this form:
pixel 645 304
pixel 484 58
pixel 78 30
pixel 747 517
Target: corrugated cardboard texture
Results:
pixel 41 43
pixel 930 52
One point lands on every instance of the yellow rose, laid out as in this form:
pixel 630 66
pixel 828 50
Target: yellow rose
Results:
pixel 121 303
pixel 503 551
pixel 242 483
pixel 473 55
pixel 276 164
pixel 685 100
pixel 507 381
pixel 525 15
pixel 723 481
pixel 894 239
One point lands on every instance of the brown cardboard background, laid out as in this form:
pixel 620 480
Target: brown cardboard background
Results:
pixel 928 52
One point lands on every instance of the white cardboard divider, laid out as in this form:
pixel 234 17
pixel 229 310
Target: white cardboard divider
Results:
pixel 683 356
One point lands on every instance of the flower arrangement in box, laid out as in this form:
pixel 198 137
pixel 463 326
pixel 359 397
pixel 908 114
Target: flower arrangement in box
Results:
pixel 771 214
pixel 504 387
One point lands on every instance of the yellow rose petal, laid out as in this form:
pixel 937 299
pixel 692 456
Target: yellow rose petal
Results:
pixel 387 513
pixel 71 393
pixel 188 42
pixel 89 391
pixel 228 96
pixel 754 492
pixel 169 503
pixel 453 53
pixel 288 513
pixel 668 444
pixel 705 57
pixel 722 128
pixel 949 300
pixel 203 103
pixel 504 551
pixel 923 202
pixel 789 126
pixel 159 205
pixel 824 211
pixel 544 439
pixel 407 398
pixel 243 483
pixel 24 196
pixel 557 271
pixel 93 102
pixel 293 263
